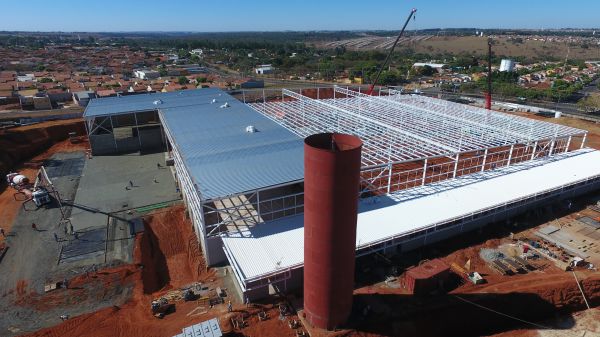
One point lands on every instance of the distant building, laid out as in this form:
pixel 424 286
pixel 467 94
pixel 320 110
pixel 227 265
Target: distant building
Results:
pixel 82 98
pixel 42 103
pixel 146 74
pixel 197 52
pixel 193 68
pixel 26 78
pixel 264 69
pixel 507 65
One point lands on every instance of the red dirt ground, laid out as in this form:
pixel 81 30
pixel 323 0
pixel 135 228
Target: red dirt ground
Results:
pixel 167 246
pixel 23 149
pixel 168 252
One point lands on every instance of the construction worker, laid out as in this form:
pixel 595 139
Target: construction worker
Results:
pixel 34 226
pixel 229 307
pixel 65 284
pixel 247 302
pixel 130 183
pixel 55 237
pixel 2 232
pixel 158 165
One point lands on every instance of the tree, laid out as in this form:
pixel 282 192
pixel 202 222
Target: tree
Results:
pixel 182 80
pixel 426 71
pixel 589 104
pixel 46 80
pixel 201 80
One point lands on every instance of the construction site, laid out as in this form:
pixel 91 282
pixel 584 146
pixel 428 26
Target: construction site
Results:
pixel 318 211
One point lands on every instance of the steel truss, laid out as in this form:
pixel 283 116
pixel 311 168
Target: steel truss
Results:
pixel 413 140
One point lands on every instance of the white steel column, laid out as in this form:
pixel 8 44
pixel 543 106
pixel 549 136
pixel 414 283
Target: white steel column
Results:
pixel 510 154
pixel 551 147
pixel 568 144
pixel 389 185
pixel 534 149
pixel 138 130
pixel 113 132
pixel 455 165
pixel 258 204
pixel 424 172
pixel 484 159
pixel 583 141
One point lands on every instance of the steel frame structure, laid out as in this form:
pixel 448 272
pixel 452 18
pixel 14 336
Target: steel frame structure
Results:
pixel 409 141
pixel 414 140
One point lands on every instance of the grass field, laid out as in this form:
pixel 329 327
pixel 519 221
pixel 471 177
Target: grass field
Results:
pixel 535 50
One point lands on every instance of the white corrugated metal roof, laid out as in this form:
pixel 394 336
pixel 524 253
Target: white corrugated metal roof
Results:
pixel 279 244
pixel 222 157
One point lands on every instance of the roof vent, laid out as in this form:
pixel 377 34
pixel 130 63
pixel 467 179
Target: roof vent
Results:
pixel 226 105
pixel 251 129
pixel 157 102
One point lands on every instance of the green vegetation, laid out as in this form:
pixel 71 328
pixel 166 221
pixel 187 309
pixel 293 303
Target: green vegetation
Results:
pixel 182 80
pixel 45 80
pixel 590 104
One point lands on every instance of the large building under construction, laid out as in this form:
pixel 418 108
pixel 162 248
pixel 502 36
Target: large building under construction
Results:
pixel 430 169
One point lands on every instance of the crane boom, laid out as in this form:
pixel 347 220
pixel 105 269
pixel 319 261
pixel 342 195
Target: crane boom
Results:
pixel 389 55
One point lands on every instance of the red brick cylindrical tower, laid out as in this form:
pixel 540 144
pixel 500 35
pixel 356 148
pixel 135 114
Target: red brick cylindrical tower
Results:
pixel 331 185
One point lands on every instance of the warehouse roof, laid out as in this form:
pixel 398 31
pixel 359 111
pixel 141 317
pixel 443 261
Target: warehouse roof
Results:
pixel 278 245
pixel 150 101
pixel 219 154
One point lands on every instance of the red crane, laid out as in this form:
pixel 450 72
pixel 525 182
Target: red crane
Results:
pixel 389 55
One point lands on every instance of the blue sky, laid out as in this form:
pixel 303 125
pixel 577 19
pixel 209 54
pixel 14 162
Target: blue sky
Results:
pixel 271 15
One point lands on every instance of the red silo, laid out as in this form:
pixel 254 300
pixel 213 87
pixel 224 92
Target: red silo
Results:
pixel 331 186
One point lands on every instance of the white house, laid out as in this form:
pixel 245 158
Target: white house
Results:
pixel 264 69
pixel 146 74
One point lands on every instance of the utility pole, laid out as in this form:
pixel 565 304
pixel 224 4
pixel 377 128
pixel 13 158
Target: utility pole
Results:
pixel 488 94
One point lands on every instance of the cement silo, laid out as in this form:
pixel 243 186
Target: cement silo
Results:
pixel 331 187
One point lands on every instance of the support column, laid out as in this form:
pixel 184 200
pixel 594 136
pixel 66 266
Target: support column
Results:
pixel 389 184
pixel 510 154
pixel 112 131
pixel 138 130
pixel 551 147
pixel 484 160
pixel 534 150
pixel 424 173
pixel 583 141
pixel 568 144
pixel 455 165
